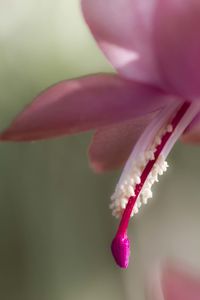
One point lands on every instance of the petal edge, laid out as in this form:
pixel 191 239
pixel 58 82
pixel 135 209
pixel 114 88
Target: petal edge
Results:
pixel 82 104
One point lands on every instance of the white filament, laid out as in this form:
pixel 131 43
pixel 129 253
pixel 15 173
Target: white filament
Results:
pixel 132 178
pixel 143 152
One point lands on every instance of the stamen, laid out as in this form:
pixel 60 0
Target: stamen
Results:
pixel 136 188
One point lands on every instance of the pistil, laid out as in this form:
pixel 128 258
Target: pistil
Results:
pixel 154 161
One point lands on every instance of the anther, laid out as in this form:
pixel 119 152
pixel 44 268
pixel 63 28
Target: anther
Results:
pixel 136 187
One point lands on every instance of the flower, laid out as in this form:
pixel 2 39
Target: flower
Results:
pixel 172 282
pixel 154 46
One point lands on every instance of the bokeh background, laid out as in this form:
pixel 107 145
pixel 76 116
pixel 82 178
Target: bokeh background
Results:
pixel 55 225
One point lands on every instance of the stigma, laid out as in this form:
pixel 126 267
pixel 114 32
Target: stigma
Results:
pixel 143 168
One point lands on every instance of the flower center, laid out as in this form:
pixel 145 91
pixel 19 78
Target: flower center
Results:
pixel 142 170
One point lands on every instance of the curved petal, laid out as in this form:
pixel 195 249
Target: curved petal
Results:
pixel 177 41
pixel 112 145
pixel 178 284
pixel 82 104
pixel 123 30
pixel 192 133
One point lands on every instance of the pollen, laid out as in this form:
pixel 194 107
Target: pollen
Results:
pixel 144 166
pixel 131 179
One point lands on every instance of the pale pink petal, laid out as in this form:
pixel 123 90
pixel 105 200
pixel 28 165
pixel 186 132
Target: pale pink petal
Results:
pixel 112 145
pixel 82 104
pixel 180 285
pixel 192 133
pixel 177 31
pixel 173 282
pixel 123 29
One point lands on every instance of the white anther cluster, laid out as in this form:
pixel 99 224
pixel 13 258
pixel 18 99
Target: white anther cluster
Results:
pixel 126 187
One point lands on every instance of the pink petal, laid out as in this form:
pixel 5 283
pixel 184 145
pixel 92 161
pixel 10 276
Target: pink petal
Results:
pixel 82 104
pixel 178 284
pixel 123 29
pixel 177 39
pixel 173 283
pixel 192 133
pixel 112 145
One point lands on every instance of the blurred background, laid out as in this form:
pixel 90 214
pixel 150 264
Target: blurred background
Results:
pixel 55 225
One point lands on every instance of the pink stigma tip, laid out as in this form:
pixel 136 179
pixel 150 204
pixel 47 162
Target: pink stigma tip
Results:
pixel 121 250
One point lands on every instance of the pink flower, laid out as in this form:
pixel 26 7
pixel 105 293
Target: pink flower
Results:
pixel 154 46
pixel 174 283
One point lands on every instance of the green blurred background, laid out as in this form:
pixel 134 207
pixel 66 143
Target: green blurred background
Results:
pixel 55 225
